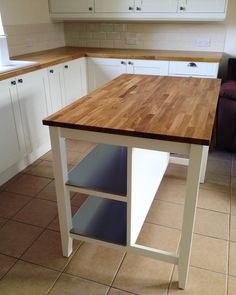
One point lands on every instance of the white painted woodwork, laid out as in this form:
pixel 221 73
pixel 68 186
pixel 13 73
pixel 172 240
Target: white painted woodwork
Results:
pixel 147 170
pixel 33 101
pixel 202 6
pixel 103 70
pixel 72 77
pixel 147 67
pixel 56 90
pixel 71 6
pixel 114 6
pixel 158 6
pixel 12 146
pixel 194 69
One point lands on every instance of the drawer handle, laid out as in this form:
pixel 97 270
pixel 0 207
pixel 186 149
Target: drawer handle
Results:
pixel 192 65
pixel 131 8
pixel 20 80
pixel 66 67
pixel 51 71
pixel 13 82
pixel 182 8
pixel 138 8
pixel 130 63
pixel 90 9
pixel 123 62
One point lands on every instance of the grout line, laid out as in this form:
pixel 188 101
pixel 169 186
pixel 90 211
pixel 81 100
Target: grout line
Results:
pixel 119 267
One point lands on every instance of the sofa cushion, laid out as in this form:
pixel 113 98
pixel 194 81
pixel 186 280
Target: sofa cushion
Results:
pixel 228 90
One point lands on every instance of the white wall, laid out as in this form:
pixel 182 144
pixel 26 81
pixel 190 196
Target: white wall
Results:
pixel 21 12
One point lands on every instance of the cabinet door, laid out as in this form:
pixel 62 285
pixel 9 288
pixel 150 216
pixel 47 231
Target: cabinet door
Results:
pixel 72 73
pixel 114 6
pixel 148 67
pixel 71 6
pixel 103 70
pixel 34 106
pixel 156 6
pixel 56 90
pixel 198 6
pixel 12 146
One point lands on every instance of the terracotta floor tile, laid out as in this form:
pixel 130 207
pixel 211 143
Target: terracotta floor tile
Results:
pixel 213 224
pixel 46 251
pixel 48 193
pixel 73 285
pixel 216 187
pixel 37 212
pixel 118 292
pixel 232 285
pixel 28 185
pixel 214 200
pixel 219 179
pixel 159 237
pixel 6 263
pixel 219 166
pixel 17 237
pixel 47 156
pixel 172 190
pixel 204 253
pixel 200 282
pixel 78 199
pixel 11 203
pixel 217 154
pixel 3 221
pixel 144 276
pixel 176 171
pixel 165 213
pixel 74 157
pixel 96 263
pixel 43 169
pixel 28 279
pixel 54 225
pixel 233 228
pixel 232 259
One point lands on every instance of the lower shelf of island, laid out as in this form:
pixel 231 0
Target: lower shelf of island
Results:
pixel 101 219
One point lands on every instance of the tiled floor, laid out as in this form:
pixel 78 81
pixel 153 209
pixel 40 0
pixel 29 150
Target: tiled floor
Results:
pixel 31 262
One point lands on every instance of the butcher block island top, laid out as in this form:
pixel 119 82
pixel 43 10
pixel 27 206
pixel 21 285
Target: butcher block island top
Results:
pixel 166 108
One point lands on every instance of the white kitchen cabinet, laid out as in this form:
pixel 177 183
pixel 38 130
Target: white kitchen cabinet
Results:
pixel 56 87
pixel 12 146
pixel 75 79
pixel 202 6
pixel 34 106
pixel 103 70
pixel 114 6
pixel 156 6
pixel 71 6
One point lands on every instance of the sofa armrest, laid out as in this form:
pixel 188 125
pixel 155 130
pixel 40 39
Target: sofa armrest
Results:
pixel 228 90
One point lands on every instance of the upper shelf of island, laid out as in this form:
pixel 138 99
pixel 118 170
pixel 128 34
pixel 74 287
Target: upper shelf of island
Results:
pixel 166 108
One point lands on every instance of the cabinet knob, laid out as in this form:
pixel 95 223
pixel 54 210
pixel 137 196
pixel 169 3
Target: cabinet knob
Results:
pixel 138 8
pixel 192 65
pixel 90 9
pixel 51 71
pixel 130 63
pixel 66 66
pixel 13 82
pixel 123 62
pixel 131 8
pixel 20 80
pixel 182 8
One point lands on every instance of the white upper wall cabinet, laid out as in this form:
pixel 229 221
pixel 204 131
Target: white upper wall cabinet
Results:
pixel 158 6
pixel 71 6
pixel 202 6
pixel 139 10
pixel 114 6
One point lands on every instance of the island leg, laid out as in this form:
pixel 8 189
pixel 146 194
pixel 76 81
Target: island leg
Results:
pixel 193 179
pixel 63 196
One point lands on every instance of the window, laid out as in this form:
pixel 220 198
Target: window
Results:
pixel 4 54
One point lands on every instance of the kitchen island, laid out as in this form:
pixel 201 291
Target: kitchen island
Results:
pixel 136 122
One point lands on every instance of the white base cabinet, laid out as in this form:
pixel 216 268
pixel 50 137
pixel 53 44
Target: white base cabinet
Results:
pixel 103 70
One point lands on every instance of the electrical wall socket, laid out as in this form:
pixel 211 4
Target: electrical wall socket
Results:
pixel 204 42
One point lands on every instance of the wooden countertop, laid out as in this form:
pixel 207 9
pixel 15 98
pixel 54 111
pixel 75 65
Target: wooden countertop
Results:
pixel 167 108
pixel 59 55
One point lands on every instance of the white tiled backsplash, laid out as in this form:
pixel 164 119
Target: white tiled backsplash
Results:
pixel 199 37
pixel 24 39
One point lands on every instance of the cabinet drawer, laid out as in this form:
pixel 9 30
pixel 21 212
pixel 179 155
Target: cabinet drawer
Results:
pixel 188 68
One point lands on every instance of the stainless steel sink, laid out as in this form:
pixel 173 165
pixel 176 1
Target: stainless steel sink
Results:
pixel 16 64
